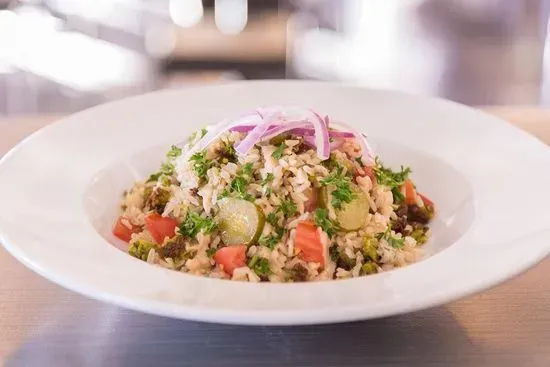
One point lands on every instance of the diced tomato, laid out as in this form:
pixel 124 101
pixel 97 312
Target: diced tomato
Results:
pixel 409 192
pixel 122 231
pixel 231 258
pixel 427 202
pixel 160 227
pixel 312 195
pixel 308 242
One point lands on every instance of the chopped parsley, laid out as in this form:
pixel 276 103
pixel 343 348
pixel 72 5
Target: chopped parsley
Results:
pixel 288 208
pixel 193 137
pixel 166 169
pixel 174 152
pixel 321 219
pixel 194 223
pixel 272 219
pixel 394 180
pixel 270 241
pixel 266 183
pixel 247 169
pixel 154 176
pixel 394 242
pixel 201 164
pixel 260 266
pixel 342 183
pixel 279 151
pixel 239 184
pixel 227 152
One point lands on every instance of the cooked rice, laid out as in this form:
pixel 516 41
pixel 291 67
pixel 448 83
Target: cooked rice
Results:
pixel 293 175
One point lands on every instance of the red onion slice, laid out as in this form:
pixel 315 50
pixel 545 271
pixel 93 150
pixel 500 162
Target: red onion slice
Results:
pixel 255 135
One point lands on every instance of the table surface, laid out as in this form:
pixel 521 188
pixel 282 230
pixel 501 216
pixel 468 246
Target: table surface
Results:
pixel 42 324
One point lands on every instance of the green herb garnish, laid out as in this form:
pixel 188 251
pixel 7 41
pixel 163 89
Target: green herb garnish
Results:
pixel 194 223
pixel 321 219
pixel 227 152
pixel 266 183
pixel 247 169
pixel 342 183
pixel 166 169
pixel 272 219
pixel 279 151
pixel 390 239
pixel 260 266
pixel 288 208
pixel 239 184
pixel 203 132
pixel 200 163
pixel 270 241
pixel 394 180
pixel 174 152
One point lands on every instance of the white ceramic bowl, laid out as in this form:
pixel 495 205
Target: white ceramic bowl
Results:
pixel 60 187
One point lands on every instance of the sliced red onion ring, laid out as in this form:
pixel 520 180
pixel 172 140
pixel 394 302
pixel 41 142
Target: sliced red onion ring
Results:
pixel 220 128
pixel 331 133
pixel 255 135
pixel 282 128
pixel 321 139
pixel 336 144
pixel 265 123
pixel 301 131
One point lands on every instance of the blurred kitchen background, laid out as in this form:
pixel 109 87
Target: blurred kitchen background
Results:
pixel 61 56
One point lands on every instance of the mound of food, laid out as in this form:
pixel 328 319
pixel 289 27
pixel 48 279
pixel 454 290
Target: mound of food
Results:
pixel 281 194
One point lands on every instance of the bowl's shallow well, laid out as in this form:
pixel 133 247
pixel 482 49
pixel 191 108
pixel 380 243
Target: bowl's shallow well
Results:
pixel 59 191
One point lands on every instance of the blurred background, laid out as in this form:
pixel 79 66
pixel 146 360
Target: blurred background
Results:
pixel 61 56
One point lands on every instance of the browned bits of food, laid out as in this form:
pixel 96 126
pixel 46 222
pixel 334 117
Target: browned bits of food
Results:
pixel 345 262
pixel 174 248
pixel 157 200
pixel 399 224
pixel 298 273
pixel 194 191
pixel 401 210
pixel 301 147
pixel 420 215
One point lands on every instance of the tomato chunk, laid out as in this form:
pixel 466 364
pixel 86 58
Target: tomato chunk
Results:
pixel 122 231
pixel 427 202
pixel 410 192
pixel 308 242
pixel 160 227
pixel 231 258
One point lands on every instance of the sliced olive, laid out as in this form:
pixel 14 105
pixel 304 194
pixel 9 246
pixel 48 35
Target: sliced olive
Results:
pixel 351 216
pixel 240 221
